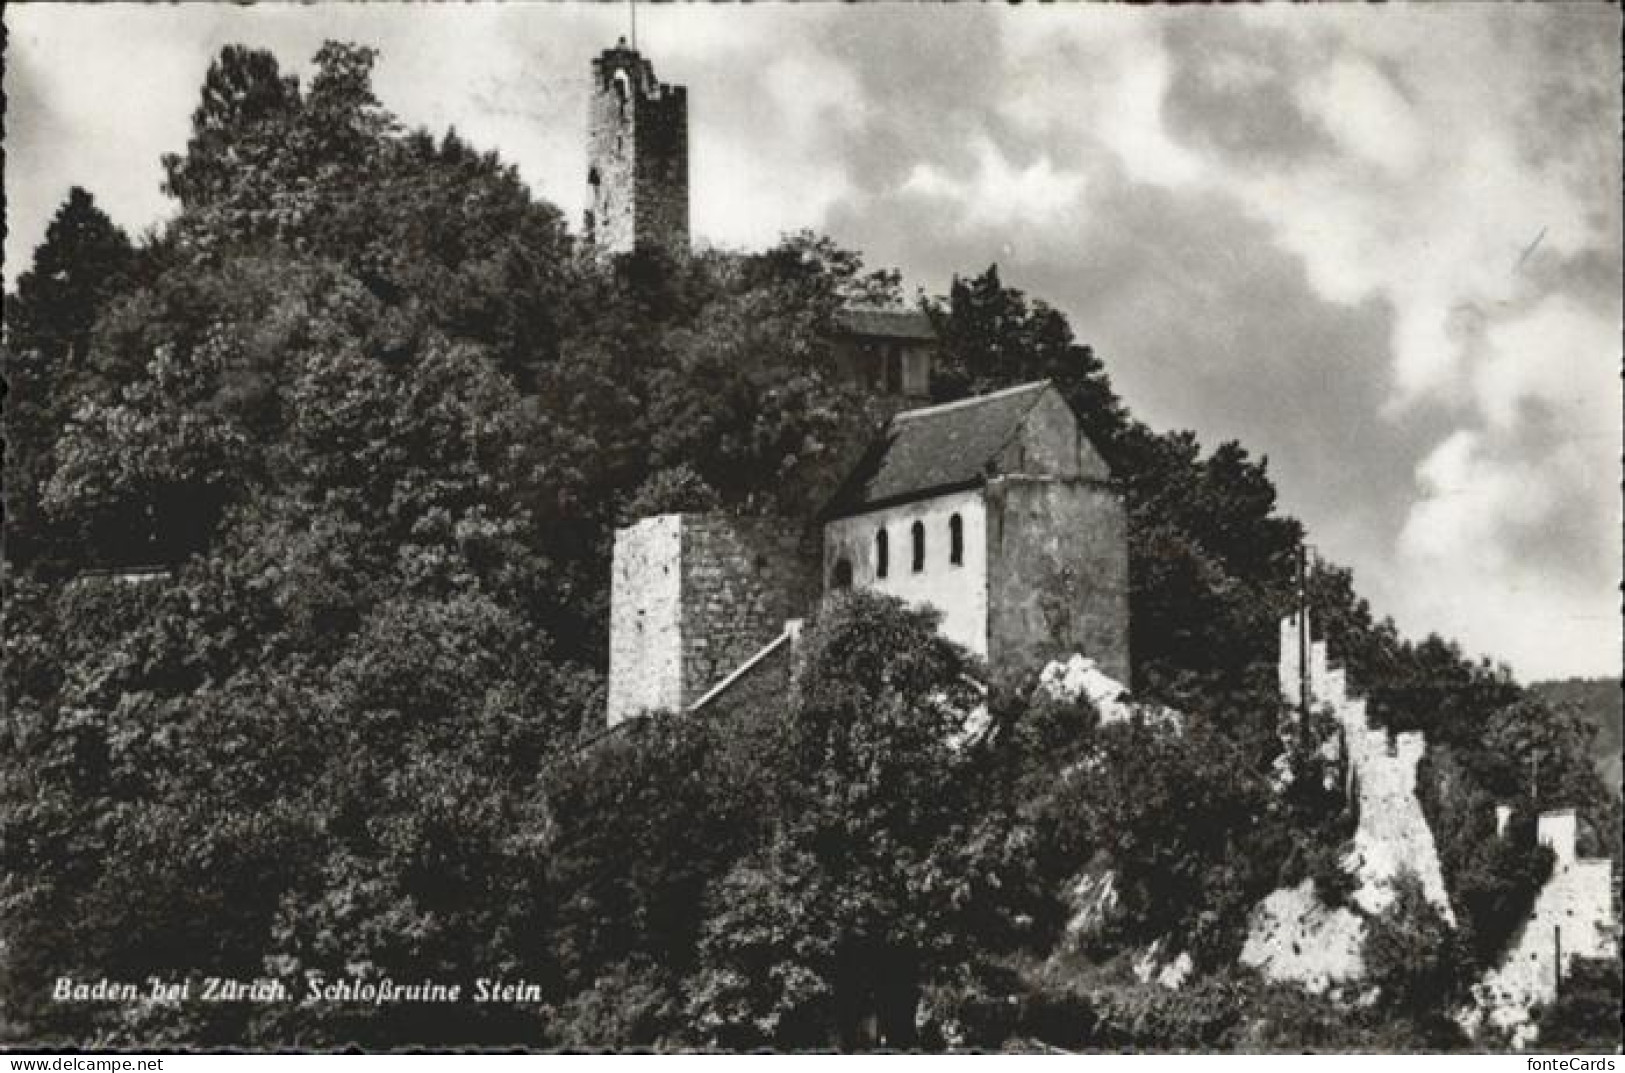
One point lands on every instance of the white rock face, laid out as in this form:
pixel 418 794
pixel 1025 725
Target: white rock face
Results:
pixel 1170 973
pixel 1080 677
pixel 1292 937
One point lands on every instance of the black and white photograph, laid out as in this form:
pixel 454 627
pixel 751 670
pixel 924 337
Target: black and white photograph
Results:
pixel 783 528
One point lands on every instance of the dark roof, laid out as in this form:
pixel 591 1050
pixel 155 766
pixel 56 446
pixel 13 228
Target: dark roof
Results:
pixel 936 449
pixel 885 323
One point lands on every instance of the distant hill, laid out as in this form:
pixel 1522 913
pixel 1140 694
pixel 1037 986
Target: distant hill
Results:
pixel 1603 704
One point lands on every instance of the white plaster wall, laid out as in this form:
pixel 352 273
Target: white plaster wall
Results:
pixel 645 634
pixel 959 592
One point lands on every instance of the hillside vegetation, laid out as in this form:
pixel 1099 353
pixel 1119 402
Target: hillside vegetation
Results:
pixel 378 417
pixel 1601 704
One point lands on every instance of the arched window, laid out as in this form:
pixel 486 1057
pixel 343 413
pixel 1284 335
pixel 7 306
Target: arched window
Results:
pixel 842 576
pixel 956 540
pixel 623 89
pixel 919 546
pixel 882 554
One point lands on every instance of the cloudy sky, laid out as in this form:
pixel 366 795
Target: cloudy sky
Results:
pixel 1381 246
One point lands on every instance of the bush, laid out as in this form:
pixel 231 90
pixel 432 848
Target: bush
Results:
pixel 1410 952
pixel 1585 1017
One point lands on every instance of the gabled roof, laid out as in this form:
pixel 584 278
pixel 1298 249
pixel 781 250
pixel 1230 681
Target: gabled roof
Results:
pixel 885 323
pixel 936 449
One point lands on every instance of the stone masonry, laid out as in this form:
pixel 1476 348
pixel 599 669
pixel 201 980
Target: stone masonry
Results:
pixel 693 596
pixel 637 157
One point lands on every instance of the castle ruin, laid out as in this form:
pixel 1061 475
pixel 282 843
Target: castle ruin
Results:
pixel 637 157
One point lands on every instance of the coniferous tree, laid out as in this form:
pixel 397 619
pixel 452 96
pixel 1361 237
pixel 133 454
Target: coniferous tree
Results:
pixel 82 263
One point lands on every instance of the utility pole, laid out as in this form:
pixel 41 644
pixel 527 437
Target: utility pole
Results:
pixel 1303 634
pixel 1557 961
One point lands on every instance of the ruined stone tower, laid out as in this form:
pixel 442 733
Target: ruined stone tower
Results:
pixel 637 156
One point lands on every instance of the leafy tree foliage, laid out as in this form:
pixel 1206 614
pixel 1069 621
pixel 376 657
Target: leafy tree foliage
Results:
pixel 1585 1017
pixel 81 265
pixel 1410 952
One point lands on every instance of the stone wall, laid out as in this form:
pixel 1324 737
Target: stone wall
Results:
pixel 1051 444
pixel 1393 835
pixel 1057 574
pixel 637 157
pixel 766 681
pixel 662 170
pixel 645 615
pixel 743 579
pixel 1572 918
pixel 1291 936
pixel 693 596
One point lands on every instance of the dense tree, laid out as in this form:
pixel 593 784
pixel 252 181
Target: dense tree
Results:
pixel 80 266
pixel 1411 953
pixel 875 877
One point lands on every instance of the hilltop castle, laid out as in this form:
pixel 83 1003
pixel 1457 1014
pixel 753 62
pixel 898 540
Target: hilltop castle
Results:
pixel 995 510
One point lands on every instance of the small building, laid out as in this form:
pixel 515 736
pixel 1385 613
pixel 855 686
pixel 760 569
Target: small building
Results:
pixel 998 512
pixel 888 351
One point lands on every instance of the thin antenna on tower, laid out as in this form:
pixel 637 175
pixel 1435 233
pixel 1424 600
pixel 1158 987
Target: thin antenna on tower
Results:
pixel 633 4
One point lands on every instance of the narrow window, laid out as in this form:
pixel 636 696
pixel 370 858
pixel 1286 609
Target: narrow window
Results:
pixel 894 370
pixel 842 577
pixel 919 546
pixel 956 540
pixel 882 554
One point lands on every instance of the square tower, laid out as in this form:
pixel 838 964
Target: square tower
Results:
pixel 695 596
pixel 637 157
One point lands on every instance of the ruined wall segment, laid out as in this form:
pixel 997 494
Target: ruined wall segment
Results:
pixel 1292 937
pixel 637 157
pixel 693 596
pixel 1393 835
pixel 743 579
pixel 645 618
pixel 1572 918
